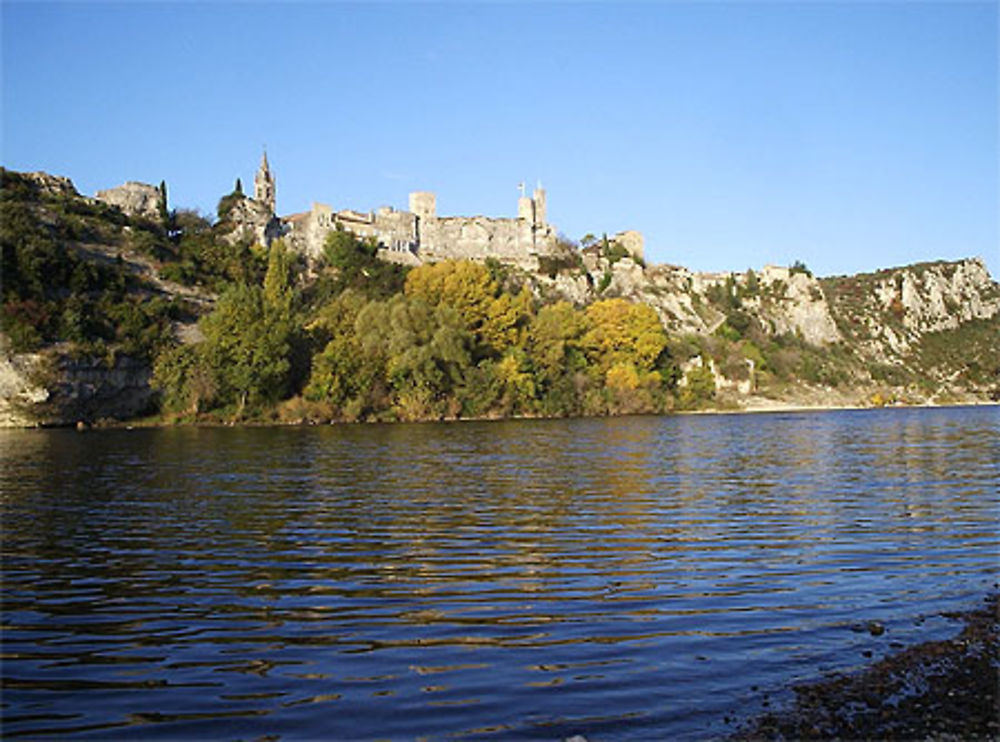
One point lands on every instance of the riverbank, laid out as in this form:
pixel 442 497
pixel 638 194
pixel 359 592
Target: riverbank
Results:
pixel 758 406
pixel 935 690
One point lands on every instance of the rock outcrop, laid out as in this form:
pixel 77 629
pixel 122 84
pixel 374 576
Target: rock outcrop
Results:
pixel 252 221
pixel 692 302
pixel 888 312
pixel 51 185
pixel 55 388
pixel 22 387
pixel 135 199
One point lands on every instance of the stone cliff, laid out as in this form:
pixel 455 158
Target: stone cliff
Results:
pixel 53 388
pixel 888 312
pixel 926 332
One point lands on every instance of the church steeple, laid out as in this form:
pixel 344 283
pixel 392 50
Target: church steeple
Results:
pixel 263 184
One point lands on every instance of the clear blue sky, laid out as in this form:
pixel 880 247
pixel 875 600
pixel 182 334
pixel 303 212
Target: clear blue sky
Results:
pixel 851 136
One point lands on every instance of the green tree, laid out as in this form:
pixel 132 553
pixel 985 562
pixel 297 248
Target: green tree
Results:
pixel 516 382
pixel 227 203
pixel 554 341
pixel 355 264
pixel 799 267
pixel 341 373
pixel 629 392
pixel 425 351
pixel 247 344
pixel 163 208
pixel 506 322
pixel 278 289
pixel 698 389
pixel 559 365
pixel 185 379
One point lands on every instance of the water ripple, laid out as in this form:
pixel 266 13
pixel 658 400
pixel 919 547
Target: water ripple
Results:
pixel 630 578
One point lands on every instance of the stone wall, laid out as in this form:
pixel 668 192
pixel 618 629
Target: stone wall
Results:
pixel 514 241
pixel 423 204
pixel 419 235
pixel 395 231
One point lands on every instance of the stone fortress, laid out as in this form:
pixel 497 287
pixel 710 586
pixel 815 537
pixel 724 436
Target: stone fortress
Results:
pixel 410 237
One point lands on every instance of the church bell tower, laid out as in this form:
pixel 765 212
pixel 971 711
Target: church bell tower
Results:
pixel 263 184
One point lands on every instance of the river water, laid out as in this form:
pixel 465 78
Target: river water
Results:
pixel 629 578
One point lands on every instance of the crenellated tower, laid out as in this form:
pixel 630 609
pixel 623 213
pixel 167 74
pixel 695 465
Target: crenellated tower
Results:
pixel 263 184
pixel 540 206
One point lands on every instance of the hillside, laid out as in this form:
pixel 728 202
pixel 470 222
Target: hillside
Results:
pixel 125 309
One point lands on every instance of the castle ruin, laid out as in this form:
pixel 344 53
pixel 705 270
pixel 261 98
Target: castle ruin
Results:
pixel 419 235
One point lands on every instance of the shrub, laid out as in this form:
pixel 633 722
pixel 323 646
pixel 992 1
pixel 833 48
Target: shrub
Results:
pixel 699 388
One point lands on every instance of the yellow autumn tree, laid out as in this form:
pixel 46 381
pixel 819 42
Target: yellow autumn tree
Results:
pixel 621 333
pixel 465 286
pixel 507 318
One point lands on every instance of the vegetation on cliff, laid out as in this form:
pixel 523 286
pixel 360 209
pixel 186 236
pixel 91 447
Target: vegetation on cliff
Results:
pixel 54 290
pixel 450 343
pixel 353 337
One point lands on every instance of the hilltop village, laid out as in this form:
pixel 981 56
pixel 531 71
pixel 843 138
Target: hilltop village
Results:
pixel 411 237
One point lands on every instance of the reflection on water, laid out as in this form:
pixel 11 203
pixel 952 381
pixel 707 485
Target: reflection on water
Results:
pixel 624 578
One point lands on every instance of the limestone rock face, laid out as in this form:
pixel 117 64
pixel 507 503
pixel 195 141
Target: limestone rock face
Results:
pixel 942 299
pixel 891 310
pixel 627 276
pixel 51 185
pixel 803 310
pixel 632 241
pixel 56 389
pixel 89 390
pixel 253 221
pixel 134 199
pixel 20 391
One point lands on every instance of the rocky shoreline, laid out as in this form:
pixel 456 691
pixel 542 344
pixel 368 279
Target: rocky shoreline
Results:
pixel 940 690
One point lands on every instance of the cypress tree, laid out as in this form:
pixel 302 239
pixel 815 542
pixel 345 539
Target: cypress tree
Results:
pixel 164 213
